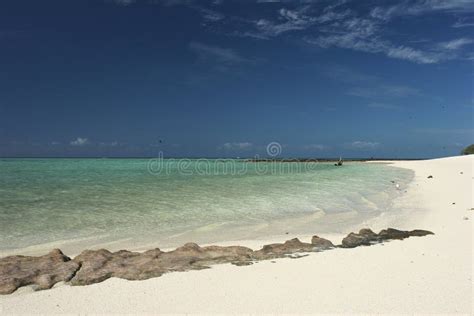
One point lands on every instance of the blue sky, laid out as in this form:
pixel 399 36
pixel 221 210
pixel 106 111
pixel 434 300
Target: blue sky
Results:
pixel 225 78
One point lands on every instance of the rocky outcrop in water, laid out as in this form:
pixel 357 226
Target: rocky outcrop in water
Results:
pixel 93 266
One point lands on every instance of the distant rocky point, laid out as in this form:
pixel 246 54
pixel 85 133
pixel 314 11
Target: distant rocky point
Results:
pixel 93 266
pixel 469 150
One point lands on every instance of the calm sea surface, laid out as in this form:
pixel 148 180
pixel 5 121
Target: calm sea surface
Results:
pixel 90 202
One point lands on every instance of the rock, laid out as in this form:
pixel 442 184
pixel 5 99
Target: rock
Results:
pixel 366 237
pixel 391 233
pixel 93 266
pixel 430 177
pixel 321 243
pixel 41 272
pixel 279 250
pixel 241 264
pixel 100 265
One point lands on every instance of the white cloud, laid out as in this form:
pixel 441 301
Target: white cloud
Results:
pixel 237 146
pixel 363 35
pixel 211 15
pixel 359 144
pixel 317 147
pixel 446 131
pixel 411 54
pixel 384 106
pixel 419 7
pixel 333 24
pixel 80 142
pixel 124 2
pixel 266 28
pixel 111 144
pixel 463 22
pixel 456 43
pixel 384 90
pixel 215 53
pixel 288 20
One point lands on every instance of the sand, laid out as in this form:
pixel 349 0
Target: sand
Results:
pixel 431 274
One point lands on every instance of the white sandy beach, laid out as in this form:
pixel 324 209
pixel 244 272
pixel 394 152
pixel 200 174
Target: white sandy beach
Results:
pixel 430 274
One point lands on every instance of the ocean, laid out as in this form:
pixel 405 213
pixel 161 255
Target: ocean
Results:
pixel 135 203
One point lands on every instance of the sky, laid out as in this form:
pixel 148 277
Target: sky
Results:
pixel 224 78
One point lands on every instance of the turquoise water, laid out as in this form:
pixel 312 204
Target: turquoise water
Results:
pixel 52 201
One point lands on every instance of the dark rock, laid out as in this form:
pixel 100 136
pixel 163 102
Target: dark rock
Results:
pixel 42 272
pixel 297 256
pixel 100 265
pixel 280 250
pixel 430 177
pixel 242 263
pixel 366 237
pixel 93 266
pixel 321 243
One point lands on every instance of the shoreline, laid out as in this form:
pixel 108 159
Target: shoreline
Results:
pixel 331 223
pixel 426 275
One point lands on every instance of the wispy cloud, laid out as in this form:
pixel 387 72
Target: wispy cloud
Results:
pixel 315 147
pixel 236 146
pixel 384 90
pixel 211 15
pixel 456 43
pixel 80 142
pixel 109 144
pixel 330 24
pixel 336 25
pixel 446 131
pixel 289 20
pixel 464 22
pixel 214 53
pixel 383 106
pixel 419 7
pixel 368 86
pixel 360 144
pixel 122 2
pixel 362 34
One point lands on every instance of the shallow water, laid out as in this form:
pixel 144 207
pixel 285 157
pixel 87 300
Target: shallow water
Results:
pixel 132 202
